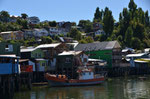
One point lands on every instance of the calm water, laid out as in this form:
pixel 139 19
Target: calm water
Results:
pixel 118 88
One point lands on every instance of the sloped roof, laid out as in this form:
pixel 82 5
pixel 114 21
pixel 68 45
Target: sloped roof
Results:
pixel 9 56
pixel 69 53
pixel 48 45
pixel 27 50
pixel 97 46
pixel 136 55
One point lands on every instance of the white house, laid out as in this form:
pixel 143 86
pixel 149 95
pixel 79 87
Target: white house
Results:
pixel 12 35
pixel 99 32
pixel 33 20
pixel 28 34
pixel 40 32
pixel 57 31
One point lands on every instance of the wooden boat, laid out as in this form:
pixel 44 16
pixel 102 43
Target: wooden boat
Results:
pixel 86 77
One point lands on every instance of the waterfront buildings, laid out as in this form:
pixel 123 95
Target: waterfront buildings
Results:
pixel 109 51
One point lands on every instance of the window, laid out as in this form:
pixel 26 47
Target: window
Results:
pixel 39 55
pixel 89 73
pixel 9 48
pixel 43 64
pixel 68 60
pixel 85 59
pixel 36 55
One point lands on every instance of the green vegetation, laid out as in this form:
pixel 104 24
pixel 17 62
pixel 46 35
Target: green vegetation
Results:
pixel 132 30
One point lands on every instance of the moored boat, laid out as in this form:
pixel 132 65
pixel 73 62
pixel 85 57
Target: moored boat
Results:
pixel 86 77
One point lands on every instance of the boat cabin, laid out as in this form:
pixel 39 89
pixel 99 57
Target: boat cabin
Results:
pixel 9 64
pixel 86 74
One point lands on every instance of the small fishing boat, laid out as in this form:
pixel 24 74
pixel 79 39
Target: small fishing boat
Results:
pixel 86 77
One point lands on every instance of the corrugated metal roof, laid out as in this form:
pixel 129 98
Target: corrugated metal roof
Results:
pixel 27 50
pixel 97 46
pixel 48 45
pixel 136 55
pixel 9 56
pixel 69 53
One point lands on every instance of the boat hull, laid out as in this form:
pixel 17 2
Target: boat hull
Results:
pixel 62 82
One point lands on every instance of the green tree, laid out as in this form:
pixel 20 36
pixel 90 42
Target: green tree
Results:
pixel 76 34
pixel 98 15
pixel 147 21
pixel 24 15
pixel 136 43
pixel 46 40
pixel 89 39
pixel 4 16
pixel 128 36
pixel 132 6
pixel 52 23
pixel 87 25
pixel 108 22
pixel 82 41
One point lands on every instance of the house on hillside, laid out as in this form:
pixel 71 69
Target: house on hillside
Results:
pixel 28 33
pixel 53 31
pixel 110 51
pixel 33 20
pixel 40 32
pixel 99 32
pixel 12 35
pixel 97 26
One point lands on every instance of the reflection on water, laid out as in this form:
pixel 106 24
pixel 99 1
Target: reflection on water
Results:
pixel 118 88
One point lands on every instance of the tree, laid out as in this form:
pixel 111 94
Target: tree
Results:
pixel 89 39
pixel 82 41
pixel 24 16
pixel 76 34
pixel 128 36
pixel 46 40
pixel 108 21
pixel 52 23
pixel 139 31
pixel 132 6
pixel 87 25
pixel 136 43
pixel 4 16
pixel 98 15
pixel 147 21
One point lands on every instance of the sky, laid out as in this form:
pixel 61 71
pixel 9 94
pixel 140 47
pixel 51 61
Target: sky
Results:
pixel 67 10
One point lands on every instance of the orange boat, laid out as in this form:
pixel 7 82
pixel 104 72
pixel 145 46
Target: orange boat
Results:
pixel 86 77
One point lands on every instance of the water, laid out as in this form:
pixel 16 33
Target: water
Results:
pixel 118 88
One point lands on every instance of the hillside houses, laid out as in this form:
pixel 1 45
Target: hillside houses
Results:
pixel 40 32
pixel 53 31
pixel 12 35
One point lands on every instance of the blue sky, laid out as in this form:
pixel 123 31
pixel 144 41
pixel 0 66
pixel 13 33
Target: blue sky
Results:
pixel 67 10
